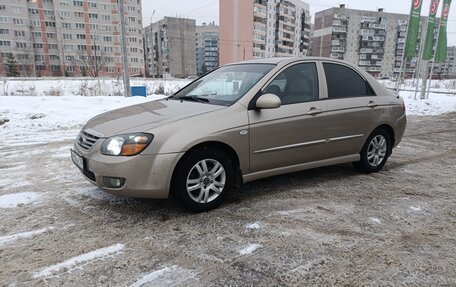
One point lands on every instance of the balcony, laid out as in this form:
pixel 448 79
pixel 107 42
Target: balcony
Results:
pixel 379 38
pixel 335 42
pixel 340 16
pixel 373 69
pixel 377 26
pixel 367 32
pixel 366 50
pixel 338 22
pixel 364 63
pixel 337 29
pixel 338 49
pixel 336 56
pixel 365 19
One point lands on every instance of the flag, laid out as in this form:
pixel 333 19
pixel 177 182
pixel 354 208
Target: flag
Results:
pixel 412 30
pixel 429 44
pixel 441 50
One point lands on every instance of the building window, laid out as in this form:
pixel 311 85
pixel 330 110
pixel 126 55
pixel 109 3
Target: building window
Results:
pixel 16 9
pixel 49 23
pixel 5 43
pixel 4 31
pixel 80 36
pixel 80 26
pixel 93 16
pixel 77 3
pixel 48 13
pixel 3 19
pixel 19 33
pixel 67 36
pixel 21 45
pixel 38 45
pixel 18 21
pixel 78 14
pixel 66 25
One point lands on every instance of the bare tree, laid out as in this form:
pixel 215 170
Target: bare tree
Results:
pixel 93 60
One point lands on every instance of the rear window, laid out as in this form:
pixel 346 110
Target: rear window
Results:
pixel 344 82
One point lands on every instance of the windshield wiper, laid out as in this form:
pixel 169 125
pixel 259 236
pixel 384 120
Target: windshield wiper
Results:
pixel 192 98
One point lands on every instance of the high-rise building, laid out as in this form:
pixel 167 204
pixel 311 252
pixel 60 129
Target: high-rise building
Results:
pixel 170 47
pixel 447 69
pixel 263 28
pixel 207 48
pixel 373 40
pixel 72 38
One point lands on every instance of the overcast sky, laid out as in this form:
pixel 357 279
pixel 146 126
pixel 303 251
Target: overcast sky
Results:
pixel 207 10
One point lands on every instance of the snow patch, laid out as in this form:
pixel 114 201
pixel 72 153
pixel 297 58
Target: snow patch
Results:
pixel 255 225
pixel 63 152
pixel 79 261
pixel 165 277
pixel 249 249
pixel 29 234
pixel 375 220
pixel 13 200
pixel 414 208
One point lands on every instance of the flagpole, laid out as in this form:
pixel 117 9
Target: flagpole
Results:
pixel 420 58
pixel 401 72
pixel 433 60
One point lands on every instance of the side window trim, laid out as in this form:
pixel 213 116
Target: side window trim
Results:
pixel 273 77
pixel 323 84
pixel 368 85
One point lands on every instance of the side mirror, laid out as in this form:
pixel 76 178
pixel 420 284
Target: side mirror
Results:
pixel 268 101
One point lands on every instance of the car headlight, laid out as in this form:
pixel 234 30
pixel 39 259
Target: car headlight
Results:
pixel 126 145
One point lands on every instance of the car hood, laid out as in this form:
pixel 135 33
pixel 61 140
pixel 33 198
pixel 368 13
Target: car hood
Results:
pixel 147 115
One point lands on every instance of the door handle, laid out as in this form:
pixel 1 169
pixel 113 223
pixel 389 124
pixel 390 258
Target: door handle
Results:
pixel 314 111
pixel 372 104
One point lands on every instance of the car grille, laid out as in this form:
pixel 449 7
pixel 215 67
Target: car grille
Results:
pixel 87 139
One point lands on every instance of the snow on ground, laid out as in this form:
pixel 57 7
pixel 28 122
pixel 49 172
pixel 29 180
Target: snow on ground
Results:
pixel 83 86
pixel 80 260
pixel 437 104
pixel 29 234
pixel 16 199
pixel 248 249
pixel 165 277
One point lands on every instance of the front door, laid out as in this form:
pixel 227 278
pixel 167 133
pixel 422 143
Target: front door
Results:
pixel 294 133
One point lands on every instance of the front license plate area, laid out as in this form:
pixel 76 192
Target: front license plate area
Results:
pixel 77 159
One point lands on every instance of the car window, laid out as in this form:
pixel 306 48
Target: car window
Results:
pixel 296 84
pixel 225 85
pixel 344 82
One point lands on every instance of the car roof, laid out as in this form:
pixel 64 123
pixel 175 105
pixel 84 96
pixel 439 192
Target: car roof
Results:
pixel 286 60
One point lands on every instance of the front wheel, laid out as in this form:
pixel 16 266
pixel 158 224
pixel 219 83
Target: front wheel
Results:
pixel 203 179
pixel 375 152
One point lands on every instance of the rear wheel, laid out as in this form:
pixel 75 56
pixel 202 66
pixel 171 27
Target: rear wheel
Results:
pixel 375 152
pixel 203 179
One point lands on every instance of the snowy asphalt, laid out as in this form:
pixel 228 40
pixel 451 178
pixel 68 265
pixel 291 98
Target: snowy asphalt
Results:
pixel 328 226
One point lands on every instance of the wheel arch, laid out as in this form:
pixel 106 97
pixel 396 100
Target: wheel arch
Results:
pixel 232 154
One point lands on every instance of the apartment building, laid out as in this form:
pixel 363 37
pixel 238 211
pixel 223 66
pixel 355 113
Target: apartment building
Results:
pixel 263 28
pixel 448 68
pixel 373 40
pixel 71 38
pixel 207 48
pixel 170 47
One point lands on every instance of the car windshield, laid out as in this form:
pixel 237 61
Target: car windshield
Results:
pixel 225 85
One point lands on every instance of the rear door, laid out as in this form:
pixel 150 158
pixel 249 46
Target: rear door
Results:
pixel 293 133
pixel 352 110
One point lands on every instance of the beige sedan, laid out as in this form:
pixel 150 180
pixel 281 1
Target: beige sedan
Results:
pixel 242 122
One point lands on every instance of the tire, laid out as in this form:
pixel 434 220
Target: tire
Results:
pixel 375 152
pixel 203 179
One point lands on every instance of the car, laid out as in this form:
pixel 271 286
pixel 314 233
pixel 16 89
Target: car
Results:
pixel 242 122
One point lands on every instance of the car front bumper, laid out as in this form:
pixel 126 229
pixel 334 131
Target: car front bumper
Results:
pixel 146 176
